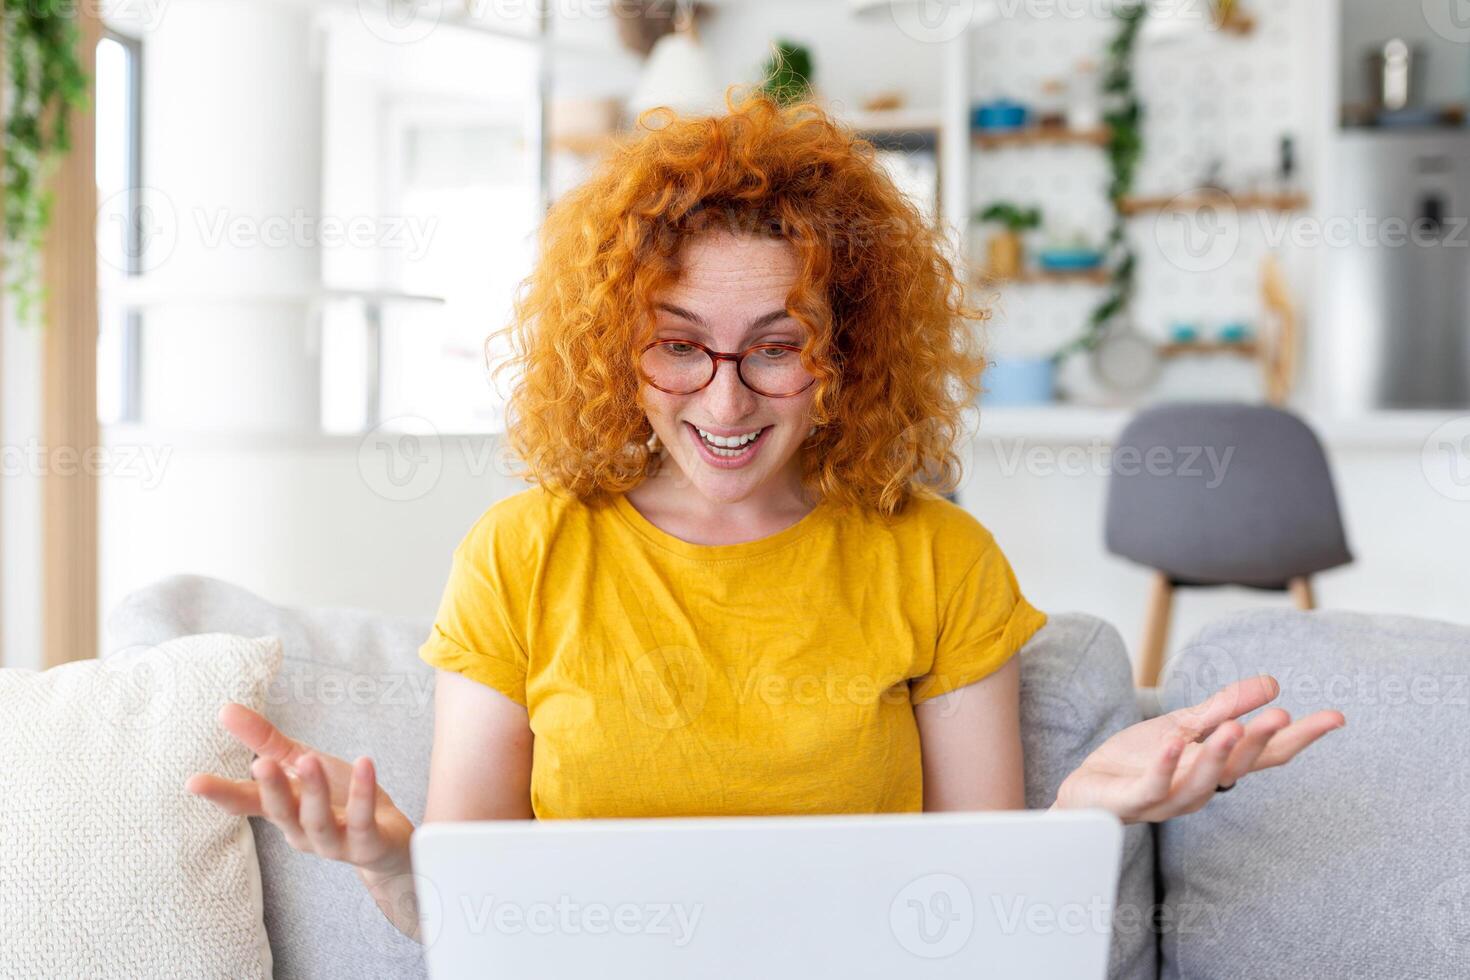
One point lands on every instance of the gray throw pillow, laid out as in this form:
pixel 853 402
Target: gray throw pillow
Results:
pixel 1354 859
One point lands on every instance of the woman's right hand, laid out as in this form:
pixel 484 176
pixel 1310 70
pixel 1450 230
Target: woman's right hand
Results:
pixel 321 804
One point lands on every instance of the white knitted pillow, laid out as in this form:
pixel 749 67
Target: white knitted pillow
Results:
pixel 108 868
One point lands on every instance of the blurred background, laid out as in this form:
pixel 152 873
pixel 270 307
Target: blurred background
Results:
pixel 244 339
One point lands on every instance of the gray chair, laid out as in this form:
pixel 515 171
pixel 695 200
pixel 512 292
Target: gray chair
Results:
pixel 1211 494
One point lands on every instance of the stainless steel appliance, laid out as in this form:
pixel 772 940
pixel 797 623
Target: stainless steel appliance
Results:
pixel 1397 236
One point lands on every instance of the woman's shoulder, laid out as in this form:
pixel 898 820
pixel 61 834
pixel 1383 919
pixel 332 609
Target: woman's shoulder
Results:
pixel 946 524
pixel 522 522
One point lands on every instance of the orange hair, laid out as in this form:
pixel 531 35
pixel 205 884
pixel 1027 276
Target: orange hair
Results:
pixel 895 359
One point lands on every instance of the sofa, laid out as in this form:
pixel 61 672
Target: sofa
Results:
pixel 1352 861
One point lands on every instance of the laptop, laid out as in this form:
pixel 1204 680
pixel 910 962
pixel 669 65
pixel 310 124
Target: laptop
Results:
pixel 1002 894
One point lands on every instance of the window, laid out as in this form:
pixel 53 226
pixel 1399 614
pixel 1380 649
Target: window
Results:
pixel 121 219
pixel 432 150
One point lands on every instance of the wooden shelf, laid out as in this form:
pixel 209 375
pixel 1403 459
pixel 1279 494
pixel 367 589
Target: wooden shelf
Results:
pixel 1055 277
pixel 1190 200
pixel 1246 348
pixel 583 144
pixel 892 120
pixel 1040 136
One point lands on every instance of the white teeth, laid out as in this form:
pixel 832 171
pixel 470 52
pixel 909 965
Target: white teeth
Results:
pixel 728 442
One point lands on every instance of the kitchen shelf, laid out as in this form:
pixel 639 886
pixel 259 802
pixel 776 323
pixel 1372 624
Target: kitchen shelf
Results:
pixel 1190 200
pixel 1249 349
pixel 892 120
pixel 1056 277
pixel 1040 136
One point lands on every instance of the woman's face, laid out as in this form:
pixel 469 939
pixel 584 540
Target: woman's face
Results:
pixel 731 296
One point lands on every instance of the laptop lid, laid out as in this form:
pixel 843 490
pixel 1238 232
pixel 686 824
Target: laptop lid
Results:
pixel 1006 894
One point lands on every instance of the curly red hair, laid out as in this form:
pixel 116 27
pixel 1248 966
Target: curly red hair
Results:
pixel 897 360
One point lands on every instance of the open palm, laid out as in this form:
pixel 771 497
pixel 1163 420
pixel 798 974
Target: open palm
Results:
pixel 322 804
pixel 1172 764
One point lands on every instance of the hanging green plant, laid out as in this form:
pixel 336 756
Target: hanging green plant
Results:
pixel 788 73
pixel 44 82
pixel 1124 149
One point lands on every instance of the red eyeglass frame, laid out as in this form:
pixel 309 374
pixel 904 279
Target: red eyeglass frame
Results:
pixel 715 358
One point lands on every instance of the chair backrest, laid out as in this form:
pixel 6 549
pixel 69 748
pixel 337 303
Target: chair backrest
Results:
pixel 1224 494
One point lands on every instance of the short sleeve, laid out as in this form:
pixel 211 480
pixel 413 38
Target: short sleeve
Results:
pixel 985 621
pixel 474 632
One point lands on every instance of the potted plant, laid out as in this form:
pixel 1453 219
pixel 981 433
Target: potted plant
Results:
pixel 1005 253
pixel 788 73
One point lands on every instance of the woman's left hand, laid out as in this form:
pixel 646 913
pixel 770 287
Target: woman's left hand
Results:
pixel 1172 764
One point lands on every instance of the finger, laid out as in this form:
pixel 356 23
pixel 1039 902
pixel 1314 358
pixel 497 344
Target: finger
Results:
pixel 362 793
pixel 1285 744
pixel 1231 701
pixel 317 818
pixel 263 738
pixel 1195 787
pixel 1257 733
pixel 238 797
pixel 278 801
pixel 1156 782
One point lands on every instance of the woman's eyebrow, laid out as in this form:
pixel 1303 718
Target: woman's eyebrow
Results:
pixel 763 320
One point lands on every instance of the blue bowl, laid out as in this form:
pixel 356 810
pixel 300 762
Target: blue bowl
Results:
pixel 1069 259
pixel 1002 114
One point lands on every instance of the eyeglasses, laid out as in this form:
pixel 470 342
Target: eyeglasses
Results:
pixel 682 367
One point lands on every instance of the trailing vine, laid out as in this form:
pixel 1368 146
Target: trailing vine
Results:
pixel 44 82
pixel 1124 118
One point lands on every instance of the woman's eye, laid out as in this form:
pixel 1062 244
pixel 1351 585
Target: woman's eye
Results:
pixel 678 348
pixel 774 353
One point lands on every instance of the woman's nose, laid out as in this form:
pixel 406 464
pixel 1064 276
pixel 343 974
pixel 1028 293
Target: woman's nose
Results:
pixel 731 399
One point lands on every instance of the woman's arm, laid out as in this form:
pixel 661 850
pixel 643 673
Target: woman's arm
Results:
pixel 971 742
pixel 479 769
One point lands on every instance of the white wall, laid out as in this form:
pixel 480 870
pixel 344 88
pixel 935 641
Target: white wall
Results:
pixel 20 492
pixel 299 520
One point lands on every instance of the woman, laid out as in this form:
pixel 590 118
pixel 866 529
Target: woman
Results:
pixel 736 587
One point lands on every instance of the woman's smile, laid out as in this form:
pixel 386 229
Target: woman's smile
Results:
pixel 726 452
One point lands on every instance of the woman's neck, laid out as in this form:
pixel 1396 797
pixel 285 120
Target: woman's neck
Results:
pixel 668 500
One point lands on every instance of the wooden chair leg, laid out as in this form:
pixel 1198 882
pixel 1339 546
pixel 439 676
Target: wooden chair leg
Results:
pixel 1155 631
pixel 1301 593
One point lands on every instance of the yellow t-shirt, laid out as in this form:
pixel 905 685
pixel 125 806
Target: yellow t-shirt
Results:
pixel 776 676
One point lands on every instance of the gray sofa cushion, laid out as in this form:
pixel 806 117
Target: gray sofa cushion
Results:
pixel 352 684
pixel 1076 690
pixel 1354 859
